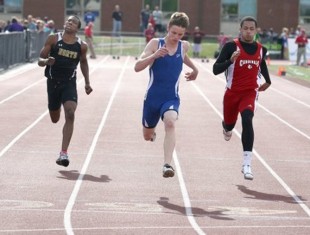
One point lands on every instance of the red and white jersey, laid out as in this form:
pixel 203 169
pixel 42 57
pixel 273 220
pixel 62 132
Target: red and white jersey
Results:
pixel 244 73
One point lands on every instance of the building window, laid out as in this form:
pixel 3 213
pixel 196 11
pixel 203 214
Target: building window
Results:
pixel 230 10
pixel 11 6
pixel 234 10
pixel 304 12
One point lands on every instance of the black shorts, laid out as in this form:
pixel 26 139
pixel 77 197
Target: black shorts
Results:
pixel 59 92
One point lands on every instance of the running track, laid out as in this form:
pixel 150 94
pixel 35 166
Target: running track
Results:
pixel 114 183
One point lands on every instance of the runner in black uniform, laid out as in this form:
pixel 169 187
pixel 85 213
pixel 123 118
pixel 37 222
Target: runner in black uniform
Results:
pixel 61 55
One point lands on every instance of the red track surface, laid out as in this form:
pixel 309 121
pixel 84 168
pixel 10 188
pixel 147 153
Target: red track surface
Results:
pixel 114 183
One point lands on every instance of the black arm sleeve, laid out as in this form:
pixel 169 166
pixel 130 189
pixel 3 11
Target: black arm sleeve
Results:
pixel 264 68
pixel 223 60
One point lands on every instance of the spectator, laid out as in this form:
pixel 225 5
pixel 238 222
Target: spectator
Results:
pixel 2 26
pixel 32 26
pixel 144 17
pixel 15 26
pixel 7 26
pixel 302 41
pixel 149 33
pixel 158 17
pixel 40 26
pixel 152 21
pixel 25 24
pixel 197 38
pixel 257 37
pixel 49 27
pixel 284 44
pixel 89 17
pixel 88 32
pixel 222 39
pixel 298 30
pixel 117 17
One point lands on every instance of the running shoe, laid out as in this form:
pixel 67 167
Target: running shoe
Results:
pixel 168 171
pixel 227 134
pixel 247 172
pixel 63 160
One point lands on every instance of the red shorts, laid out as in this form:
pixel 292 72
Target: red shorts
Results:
pixel 236 102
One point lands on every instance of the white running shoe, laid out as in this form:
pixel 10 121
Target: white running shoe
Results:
pixel 227 134
pixel 247 172
pixel 168 171
pixel 63 160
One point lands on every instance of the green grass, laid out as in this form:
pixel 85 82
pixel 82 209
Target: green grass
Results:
pixel 292 71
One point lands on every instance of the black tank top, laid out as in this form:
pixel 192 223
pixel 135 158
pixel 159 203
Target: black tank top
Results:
pixel 67 58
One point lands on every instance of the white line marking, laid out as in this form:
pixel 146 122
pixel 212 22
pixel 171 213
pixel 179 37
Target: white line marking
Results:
pixel 87 230
pixel 290 97
pixel 186 199
pixel 20 135
pixel 284 122
pixel 19 70
pixel 68 210
pixel 277 177
pixel 21 91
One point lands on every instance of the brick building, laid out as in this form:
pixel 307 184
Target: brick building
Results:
pixel 208 14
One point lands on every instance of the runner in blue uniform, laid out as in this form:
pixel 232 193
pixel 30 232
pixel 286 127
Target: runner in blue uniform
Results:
pixel 61 55
pixel 165 58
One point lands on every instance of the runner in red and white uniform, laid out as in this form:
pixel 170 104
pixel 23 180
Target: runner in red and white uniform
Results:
pixel 243 62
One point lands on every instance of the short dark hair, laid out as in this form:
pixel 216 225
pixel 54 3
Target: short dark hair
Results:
pixel 248 18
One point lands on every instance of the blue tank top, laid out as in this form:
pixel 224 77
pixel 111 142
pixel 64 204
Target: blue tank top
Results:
pixel 165 74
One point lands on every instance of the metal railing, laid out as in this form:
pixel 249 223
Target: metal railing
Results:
pixel 20 47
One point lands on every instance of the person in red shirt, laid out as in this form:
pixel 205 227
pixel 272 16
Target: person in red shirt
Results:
pixel 149 33
pixel 302 41
pixel 243 62
pixel 88 32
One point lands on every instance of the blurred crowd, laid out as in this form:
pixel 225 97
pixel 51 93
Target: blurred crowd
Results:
pixel 34 24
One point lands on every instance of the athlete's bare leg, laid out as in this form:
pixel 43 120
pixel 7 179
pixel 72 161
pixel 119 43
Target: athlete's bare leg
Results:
pixel 170 118
pixel 69 109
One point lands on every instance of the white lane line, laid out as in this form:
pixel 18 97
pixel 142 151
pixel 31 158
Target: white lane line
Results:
pixel 186 199
pixel 17 71
pixel 290 97
pixel 21 134
pixel 284 122
pixel 21 91
pixel 275 175
pixel 71 202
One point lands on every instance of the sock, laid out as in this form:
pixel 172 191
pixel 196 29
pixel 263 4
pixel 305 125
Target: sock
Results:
pixel 64 151
pixel 247 157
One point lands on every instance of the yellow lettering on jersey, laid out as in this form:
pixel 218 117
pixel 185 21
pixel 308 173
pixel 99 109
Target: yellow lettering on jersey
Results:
pixel 67 53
